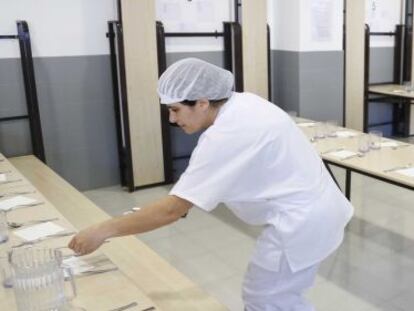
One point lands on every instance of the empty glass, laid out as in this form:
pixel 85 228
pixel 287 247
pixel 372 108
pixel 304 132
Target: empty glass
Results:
pixel 38 279
pixel 320 130
pixel 363 143
pixel 408 87
pixel 375 139
pixel 331 128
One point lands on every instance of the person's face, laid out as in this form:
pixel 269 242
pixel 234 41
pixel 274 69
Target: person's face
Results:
pixel 191 118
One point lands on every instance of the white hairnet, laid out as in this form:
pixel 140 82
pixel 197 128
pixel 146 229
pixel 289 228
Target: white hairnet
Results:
pixel 194 79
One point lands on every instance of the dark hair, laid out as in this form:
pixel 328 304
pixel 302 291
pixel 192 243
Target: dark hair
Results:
pixel 213 102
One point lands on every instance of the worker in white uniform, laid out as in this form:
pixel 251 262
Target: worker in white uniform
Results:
pixel 254 159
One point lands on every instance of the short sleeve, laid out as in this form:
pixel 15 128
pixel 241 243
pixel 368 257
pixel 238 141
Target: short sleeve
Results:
pixel 216 164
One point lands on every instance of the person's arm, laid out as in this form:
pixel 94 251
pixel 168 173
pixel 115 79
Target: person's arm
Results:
pixel 155 215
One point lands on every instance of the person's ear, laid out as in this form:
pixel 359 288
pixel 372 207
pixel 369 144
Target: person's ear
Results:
pixel 204 103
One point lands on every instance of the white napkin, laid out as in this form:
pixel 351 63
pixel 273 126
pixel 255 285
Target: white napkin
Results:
pixel 15 201
pixel 407 172
pixel 342 154
pixel 307 124
pixel 38 231
pixel 3 177
pixel 389 144
pixel 77 265
pixel 345 134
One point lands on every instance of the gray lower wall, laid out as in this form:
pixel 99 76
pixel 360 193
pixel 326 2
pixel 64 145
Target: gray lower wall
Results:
pixel 76 107
pixel 310 83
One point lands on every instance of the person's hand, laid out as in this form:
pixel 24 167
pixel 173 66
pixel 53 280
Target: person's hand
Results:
pixel 87 240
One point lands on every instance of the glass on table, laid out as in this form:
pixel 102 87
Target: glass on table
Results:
pixel 375 139
pixel 408 87
pixel 331 127
pixel 363 143
pixel 320 130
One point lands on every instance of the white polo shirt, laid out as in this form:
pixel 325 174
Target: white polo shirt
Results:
pixel 256 161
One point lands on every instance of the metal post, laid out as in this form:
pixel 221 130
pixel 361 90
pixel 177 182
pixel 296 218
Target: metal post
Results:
pixel 348 184
pixel 366 79
pixel 165 124
pixel 30 90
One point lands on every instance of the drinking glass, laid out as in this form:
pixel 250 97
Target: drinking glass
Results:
pixel 375 139
pixel 38 279
pixel 331 127
pixel 363 143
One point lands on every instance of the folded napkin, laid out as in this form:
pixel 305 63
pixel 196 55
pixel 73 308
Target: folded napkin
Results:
pixel 342 154
pixel 38 231
pixel 16 201
pixel 406 171
pixel 345 134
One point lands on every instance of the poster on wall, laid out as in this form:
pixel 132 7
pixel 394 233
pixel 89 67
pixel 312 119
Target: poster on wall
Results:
pixel 382 16
pixel 322 20
pixel 193 16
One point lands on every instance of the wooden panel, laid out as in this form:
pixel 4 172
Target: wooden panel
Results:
pixel 138 20
pixel 354 58
pixel 254 41
pixel 155 278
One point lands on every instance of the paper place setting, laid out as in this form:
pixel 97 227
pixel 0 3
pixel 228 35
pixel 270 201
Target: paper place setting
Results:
pixel 39 231
pixel 17 202
pixel 345 134
pixel 90 266
pixel 343 154
pixel 77 265
pixel 306 124
pixel 406 171
pixel 3 177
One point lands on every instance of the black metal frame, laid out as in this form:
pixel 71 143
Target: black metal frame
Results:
pixel 165 124
pixel 121 103
pixel 23 35
pixel 401 105
pixel 348 177
pixel 233 53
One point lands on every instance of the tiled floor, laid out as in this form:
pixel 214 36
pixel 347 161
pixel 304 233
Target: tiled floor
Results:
pixel 373 269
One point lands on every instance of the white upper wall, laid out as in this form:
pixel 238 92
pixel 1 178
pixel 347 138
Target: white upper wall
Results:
pixel 194 16
pixel 58 27
pixel 306 25
pixel 78 27
pixel 383 16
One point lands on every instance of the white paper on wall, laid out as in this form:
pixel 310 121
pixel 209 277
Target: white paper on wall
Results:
pixel 321 20
pixel 382 16
pixel 193 16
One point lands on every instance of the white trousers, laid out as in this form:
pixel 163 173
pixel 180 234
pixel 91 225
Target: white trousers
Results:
pixel 282 290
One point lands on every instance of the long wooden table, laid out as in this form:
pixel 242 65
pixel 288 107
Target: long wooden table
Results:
pixel 143 276
pixel 374 164
pixel 393 93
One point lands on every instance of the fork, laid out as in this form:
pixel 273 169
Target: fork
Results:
pixel 15 193
pixel 396 168
pixel 359 155
pixel 10 181
pixel 121 308
pixel 50 236
pixel 332 150
pixel 97 271
pixel 24 205
pixel 15 225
